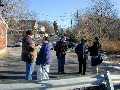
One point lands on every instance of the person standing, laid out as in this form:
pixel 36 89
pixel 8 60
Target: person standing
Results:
pixel 28 54
pixel 94 53
pixel 81 51
pixel 95 47
pixel 44 59
pixel 61 48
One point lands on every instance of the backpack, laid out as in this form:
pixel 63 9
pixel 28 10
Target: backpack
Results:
pixel 96 60
pixel 42 55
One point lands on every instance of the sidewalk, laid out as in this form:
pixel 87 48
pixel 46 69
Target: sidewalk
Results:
pixel 12 73
pixel 63 84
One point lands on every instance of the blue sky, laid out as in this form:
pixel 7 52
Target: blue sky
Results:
pixel 60 10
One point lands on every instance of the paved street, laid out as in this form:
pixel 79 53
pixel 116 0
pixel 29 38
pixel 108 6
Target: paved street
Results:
pixel 12 69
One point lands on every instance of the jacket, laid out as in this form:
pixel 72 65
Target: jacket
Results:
pixel 44 56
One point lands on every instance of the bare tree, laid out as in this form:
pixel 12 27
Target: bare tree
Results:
pixel 99 20
pixel 17 9
pixel 13 11
pixel 103 16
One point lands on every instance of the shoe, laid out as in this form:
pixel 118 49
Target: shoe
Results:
pixel 83 73
pixel 38 81
pixel 79 73
pixel 59 72
pixel 45 79
pixel 62 72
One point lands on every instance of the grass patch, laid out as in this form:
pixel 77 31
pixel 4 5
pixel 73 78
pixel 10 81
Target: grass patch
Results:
pixel 111 46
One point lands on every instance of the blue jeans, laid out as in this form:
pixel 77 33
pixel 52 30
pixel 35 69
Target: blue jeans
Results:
pixel 29 70
pixel 61 62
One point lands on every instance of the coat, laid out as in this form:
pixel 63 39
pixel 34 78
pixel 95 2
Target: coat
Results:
pixel 27 45
pixel 61 48
pixel 44 56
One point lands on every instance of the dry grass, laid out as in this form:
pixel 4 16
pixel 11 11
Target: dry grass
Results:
pixel 111 46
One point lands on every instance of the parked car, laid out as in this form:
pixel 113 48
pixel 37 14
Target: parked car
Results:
pixel 10 45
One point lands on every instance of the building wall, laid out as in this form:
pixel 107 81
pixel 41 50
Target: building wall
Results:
pixel 3 34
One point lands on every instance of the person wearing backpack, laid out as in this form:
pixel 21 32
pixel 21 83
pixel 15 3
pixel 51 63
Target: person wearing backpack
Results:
pixel 61 48
pixel 96 58
pixel 94 52
pixel 95 47
pixel 81 51
pixel 43 60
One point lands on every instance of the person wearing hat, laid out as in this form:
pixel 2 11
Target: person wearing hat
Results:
pixel 81 51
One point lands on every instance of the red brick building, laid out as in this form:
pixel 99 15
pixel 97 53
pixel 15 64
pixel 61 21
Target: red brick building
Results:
pixel 3 34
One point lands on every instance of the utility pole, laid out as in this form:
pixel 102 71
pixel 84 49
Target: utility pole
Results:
pixel 77 15
pixel 71 23
pixel 55 27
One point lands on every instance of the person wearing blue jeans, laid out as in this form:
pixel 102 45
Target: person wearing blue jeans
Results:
pixel 29 70
pixel 61 48
pixel 61 62
pixel 28 54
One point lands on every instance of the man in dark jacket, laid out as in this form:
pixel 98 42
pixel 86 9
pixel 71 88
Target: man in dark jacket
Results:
pixel 61 48
pixel 81 52
pixel 28 54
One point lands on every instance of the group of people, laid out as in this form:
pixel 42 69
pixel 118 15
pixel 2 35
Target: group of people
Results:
pixel 42 59
pixel 82 50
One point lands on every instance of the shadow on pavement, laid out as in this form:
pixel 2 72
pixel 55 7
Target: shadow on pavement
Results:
pixel 12 77
pixel 117 87
pixel 12 72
